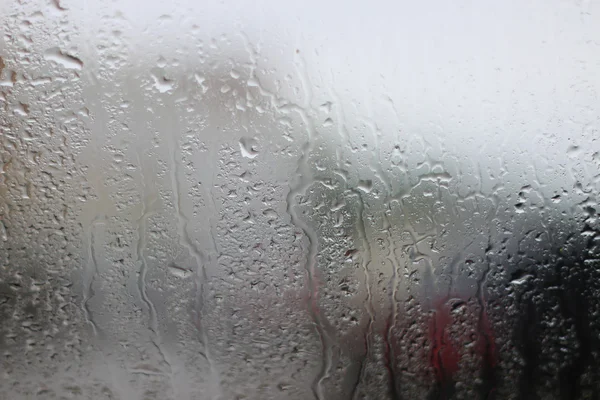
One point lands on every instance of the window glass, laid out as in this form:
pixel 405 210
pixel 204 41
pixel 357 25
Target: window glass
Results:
pixel 298 200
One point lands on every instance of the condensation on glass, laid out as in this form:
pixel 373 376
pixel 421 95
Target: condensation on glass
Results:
pixel 299 200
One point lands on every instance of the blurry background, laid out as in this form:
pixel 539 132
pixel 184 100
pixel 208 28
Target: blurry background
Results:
pixel 279 200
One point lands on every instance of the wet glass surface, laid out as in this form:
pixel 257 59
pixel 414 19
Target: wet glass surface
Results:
pixel 313 200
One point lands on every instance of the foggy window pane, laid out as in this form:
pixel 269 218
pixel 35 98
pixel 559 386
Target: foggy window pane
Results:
pixel 299 200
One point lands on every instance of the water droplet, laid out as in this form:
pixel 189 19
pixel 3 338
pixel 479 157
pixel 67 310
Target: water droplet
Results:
pixel 225 88
pixel 179 272
pixel 68 61
pixel 21 109
pixel 573 151
pixel 3 232
pixel 248 147
pixel 365 185
pixel 270 214
pixel 326 107
pixel 161 83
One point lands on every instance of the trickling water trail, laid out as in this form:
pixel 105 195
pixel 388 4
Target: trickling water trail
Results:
pixel 91 272
pixel 362 233
pixel 141 245
pixel 302 180
pixel 200 258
